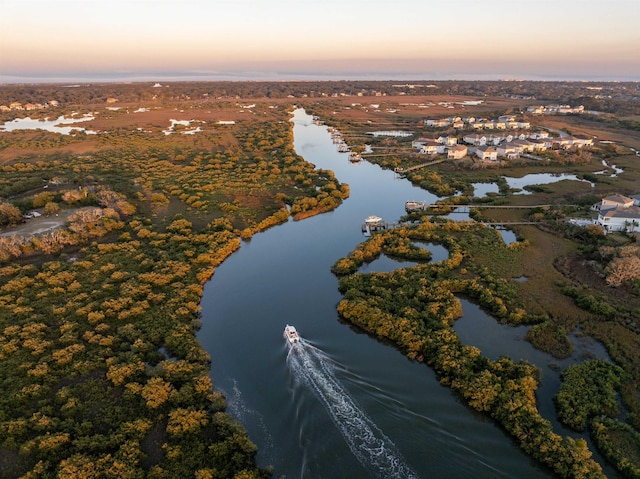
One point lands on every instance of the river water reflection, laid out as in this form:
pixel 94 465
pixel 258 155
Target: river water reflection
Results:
pixel 289 400
pixel 59 125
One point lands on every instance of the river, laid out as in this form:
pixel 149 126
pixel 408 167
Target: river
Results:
pixel 340 404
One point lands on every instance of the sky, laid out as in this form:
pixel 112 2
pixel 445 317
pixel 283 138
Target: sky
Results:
pixel 66 40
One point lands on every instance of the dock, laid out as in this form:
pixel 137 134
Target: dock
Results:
pixel 423 205
pixel 404 171
pixel 368 227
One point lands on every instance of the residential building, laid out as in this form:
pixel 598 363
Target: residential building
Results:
pixel 432 147
pixel 475 139
pixel 488 153
pixel 457 152
pixel 620 218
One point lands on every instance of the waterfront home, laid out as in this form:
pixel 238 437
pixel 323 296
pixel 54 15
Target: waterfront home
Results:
pixel 437 123
pixel 432 147
pixel 614 201
pixel 508 151
pixel 488 153
pixel 420 142
pixel 457 152
pixel 620 218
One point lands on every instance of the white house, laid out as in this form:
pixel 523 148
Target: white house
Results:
pixel 620 218
pixel 420 142
pixel 488 153
pixel 447 140
pixel 432 147
pixel 508 151
pixel 475 139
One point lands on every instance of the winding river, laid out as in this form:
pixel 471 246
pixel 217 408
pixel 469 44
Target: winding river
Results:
pixel 340 404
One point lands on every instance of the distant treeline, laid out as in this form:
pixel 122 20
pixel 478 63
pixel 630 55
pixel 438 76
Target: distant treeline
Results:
pixel 604 96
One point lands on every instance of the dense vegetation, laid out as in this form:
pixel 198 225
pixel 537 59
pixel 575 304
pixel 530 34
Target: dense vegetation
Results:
pixel 416 308
pixel 101 371
pixel 102 375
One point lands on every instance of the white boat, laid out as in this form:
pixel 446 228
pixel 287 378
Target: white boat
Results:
pixel 414 205
pixel 291 334
pixel 372 220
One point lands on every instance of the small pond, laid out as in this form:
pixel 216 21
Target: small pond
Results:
pixel 58 125
pixel 539 179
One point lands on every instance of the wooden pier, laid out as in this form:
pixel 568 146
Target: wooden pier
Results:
pixel 404 171
pixel 417 205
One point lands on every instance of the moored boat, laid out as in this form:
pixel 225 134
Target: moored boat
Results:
pixel 291 334
pixel 372 220
pixel 414 205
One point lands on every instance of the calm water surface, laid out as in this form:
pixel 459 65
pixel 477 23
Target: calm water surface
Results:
pixel 58 125
pixel 340 404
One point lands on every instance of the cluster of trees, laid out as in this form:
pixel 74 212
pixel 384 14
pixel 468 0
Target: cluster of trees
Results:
pixel 82 225
pixel 9 214
pixel 619 443
pixel 100 364
pixel 588 389
pixel 611 97
pixel 101 371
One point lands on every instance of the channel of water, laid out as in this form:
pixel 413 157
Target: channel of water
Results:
pixel 291 407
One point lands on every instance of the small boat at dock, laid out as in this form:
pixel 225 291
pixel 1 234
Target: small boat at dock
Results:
pixel 373 220
pixel 291 334
pixel 414 206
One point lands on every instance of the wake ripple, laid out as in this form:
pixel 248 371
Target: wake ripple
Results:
pixel 366 441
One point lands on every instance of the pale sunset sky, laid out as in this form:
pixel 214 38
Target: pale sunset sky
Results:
pixel 65 40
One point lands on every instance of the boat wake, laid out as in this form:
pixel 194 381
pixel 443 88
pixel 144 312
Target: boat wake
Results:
pixel 366 441
pixel 239 409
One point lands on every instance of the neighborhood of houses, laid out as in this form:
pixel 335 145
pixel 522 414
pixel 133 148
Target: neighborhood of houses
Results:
pixel 510 138
pixel 555 109
pixel 17 106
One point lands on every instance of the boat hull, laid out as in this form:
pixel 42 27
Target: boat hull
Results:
pixel 291 334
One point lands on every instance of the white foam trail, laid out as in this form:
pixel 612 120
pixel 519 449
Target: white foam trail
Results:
pixel 366 441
